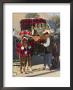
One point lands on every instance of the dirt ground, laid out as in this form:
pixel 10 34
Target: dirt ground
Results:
pixel 37 71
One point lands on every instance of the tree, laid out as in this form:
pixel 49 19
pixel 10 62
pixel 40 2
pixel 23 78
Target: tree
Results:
pixel 32 15
pixel 56 19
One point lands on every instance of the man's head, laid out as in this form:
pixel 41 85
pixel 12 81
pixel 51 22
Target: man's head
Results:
pixel 46 34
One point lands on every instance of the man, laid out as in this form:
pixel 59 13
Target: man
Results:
pixel 47 50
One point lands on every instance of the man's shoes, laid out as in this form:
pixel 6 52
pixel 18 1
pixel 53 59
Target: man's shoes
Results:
pixel 46 67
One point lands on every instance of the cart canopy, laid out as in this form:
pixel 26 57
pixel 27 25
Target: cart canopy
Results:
pixel 27 23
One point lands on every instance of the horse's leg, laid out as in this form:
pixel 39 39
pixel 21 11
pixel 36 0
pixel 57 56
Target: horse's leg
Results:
pixel 29 60
pixel 29 63
pixel 25 64
pixel 21 68
pixel 21 65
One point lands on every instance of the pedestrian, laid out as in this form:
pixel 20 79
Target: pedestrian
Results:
pixel 47 50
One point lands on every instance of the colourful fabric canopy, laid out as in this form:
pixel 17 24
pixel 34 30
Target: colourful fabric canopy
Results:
pixel 24 23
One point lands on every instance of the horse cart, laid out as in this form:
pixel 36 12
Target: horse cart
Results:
pixel 36 28
pixel 33 29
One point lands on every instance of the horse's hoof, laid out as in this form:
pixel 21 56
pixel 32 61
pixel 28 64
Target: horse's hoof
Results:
pixel 26 72
pixel 21 71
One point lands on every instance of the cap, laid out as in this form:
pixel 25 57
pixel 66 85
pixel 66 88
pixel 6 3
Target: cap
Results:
pixel 46 31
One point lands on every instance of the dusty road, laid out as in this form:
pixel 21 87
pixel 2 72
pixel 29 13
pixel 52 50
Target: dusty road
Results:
pixel 37 71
